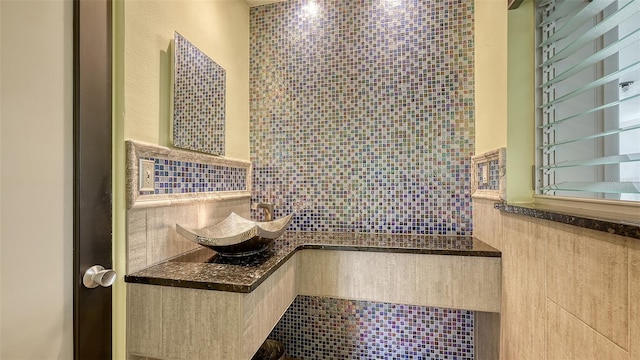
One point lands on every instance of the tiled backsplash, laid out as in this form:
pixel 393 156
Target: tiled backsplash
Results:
pixel 175 176
pixel 362 121
pixel 183 176
pixel 489 175
pixel 191 189
pixel 493 180
pixel 151 232
pixel 320 328
pixel 362 113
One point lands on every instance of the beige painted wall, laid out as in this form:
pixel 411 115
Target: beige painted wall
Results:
pixel 1 181
pixel 568 292
pixel 36 180
pixel 490 74
pixel 521 102
pixel 142 82
pixel 220 28
pixel 504 60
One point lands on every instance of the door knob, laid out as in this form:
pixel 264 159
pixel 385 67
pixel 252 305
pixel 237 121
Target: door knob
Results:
pixel 97 275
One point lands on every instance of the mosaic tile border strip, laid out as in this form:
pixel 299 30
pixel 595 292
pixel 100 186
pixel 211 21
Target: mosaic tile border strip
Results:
pixel 492 182
pixel 179 177
pixel 327 328
pixel 199 90
pixel 489 175
pixel 183 177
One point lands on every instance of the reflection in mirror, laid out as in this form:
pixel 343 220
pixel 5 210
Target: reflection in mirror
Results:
pixel 198 100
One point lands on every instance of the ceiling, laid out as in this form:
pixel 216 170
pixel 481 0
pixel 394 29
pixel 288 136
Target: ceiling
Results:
pixel 261 2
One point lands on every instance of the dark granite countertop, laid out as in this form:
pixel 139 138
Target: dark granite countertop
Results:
pixel 622 227
pixel 205 269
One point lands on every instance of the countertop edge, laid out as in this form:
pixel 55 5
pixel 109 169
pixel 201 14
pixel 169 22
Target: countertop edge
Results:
pixel 450 252
pixel 239 288
pixel 609 226
pixel 188 284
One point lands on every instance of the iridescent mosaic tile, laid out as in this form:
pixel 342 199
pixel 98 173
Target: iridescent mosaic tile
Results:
pixel 180 177
pixel 323 328
pixel 198 100
pixel 493 181
pixel 362 114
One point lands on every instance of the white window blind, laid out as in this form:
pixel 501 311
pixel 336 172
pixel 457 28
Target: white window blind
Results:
pixel 588 138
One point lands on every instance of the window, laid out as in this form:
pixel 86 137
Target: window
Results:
pixel 588 123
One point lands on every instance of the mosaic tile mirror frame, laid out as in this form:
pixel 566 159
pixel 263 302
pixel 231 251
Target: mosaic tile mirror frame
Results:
pixel 199 89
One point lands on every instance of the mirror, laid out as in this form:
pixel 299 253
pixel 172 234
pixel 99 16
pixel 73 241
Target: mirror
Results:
pixel 199 88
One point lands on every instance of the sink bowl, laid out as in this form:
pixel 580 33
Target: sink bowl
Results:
pixel 237 236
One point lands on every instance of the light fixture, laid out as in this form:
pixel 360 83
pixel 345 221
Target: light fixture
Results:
pixel 311 9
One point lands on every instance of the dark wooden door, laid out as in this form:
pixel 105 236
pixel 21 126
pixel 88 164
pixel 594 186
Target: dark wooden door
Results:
pixel 92 175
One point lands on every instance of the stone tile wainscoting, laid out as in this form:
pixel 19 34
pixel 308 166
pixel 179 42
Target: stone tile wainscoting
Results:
pixel 362 120
pixel 568 292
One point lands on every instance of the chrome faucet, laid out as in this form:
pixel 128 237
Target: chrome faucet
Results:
pixel 268 210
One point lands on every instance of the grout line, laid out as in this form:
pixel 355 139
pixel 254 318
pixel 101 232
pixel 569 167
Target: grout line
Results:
pixel 589 326
pixel 146 238
pixel 547 229
pixel 629 272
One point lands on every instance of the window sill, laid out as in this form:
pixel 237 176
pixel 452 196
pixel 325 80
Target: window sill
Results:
pixel 584 219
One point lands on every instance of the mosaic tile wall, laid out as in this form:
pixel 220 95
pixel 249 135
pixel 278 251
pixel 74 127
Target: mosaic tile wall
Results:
pixel 175 177
pixel 362 113
pixel 373 330
pixel 361 120
pixel 198 100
